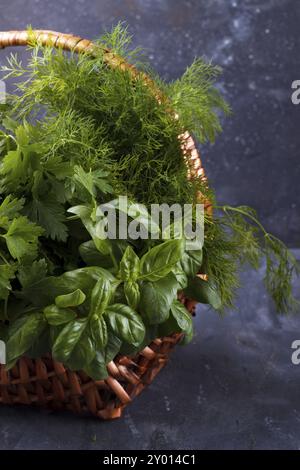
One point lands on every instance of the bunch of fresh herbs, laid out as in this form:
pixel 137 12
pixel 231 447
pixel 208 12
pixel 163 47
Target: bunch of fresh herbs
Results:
pixel 78 133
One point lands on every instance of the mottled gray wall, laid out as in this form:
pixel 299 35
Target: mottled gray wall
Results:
pixel 234 387
pixel 256 42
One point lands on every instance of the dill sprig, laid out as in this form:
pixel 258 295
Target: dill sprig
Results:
pixel 97 114
pixel 238 237
pixel 198 101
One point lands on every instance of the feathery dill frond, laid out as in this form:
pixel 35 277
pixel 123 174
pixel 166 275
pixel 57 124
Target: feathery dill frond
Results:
pixel 221 260
pixel 197 101
pixel 253 243
pixel 119 41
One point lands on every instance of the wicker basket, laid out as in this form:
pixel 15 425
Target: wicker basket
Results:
pixel 47 383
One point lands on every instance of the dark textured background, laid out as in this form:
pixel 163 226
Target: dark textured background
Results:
pixel 235 386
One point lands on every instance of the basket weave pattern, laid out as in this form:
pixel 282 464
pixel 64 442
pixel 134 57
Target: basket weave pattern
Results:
pixel 47 383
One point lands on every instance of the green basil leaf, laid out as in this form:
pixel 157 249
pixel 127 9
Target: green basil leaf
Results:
pixel 160 260
pixel 70 300
pixel 100 297
pixel 58 316
pixel 156 299
pixel 167 328
pixel 132 293
pixel 191 262
pixel 83 353
pixel 85 212
pixel 84 278
pixel 180 276
pixel 129 265
pixel 43 292
pixel 125 323
pixel 130 350
pixel 41 345
pixel 97 368
pixel 112 348
pixel 203 292
pixel 67 339
pixel 150 335
pixel 92 257
pixel 22 335
pixel 98 331
pixel 183 320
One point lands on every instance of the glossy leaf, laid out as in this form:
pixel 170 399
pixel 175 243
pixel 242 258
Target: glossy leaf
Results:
pixel 100 297
pixel 22 335
pixel 67 340
pixel 73 299
pixel 203 292
pixel 92 257
pixel 98 331
pixel 183 319
pixel 43 293
pixel 125 323
pixel 132 293
pixel 83 352
pixel 156 299
pixel 160 260
pixel 191 262
pixel 97 368
pixel 180 275
pixel 167 328
pixel 58 316
pixel 130 265
pixel 112 348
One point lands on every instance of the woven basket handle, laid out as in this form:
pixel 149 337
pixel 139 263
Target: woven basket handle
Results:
pixel 46 38
pixel 69 42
